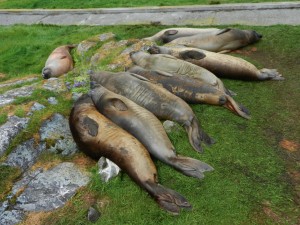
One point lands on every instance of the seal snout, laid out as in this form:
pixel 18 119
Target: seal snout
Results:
pixel 257 36
pixel 46 73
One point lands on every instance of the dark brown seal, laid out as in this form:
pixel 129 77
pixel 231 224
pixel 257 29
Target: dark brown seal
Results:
pixel 144 126
pixel 59 62
pixel 192 90
pixel 157 100
pixel 224 40
pixel 97 136
pixel 221 65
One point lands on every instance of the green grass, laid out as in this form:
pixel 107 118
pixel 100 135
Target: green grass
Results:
pixel 251 169
pixel 69 4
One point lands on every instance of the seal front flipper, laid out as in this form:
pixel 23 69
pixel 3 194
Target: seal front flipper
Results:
pixel 166 198
pixel 164 73
pixel 139 76
pixel 192 54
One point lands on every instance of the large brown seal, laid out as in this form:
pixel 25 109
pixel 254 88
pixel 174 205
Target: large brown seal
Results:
pixel 221 65
pixel 157 100
pixel 144 126
pixel 59 62
pixel 97 136
pixel 170 34
pixel 223 40
pixel 192 90
pixel 168 65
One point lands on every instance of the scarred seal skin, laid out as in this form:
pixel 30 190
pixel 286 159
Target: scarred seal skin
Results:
pixel 222 40
pixel 221 65
pixel 157 100
pixel 169 65
pixel 192 90
pixel 144 126
pixel 59 62
pixel 170 34
pixel 98 136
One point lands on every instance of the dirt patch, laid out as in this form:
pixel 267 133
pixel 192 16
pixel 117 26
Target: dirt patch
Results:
pixel 35 218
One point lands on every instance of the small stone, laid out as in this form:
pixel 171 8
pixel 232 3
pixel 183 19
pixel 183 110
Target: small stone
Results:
pixel 52 100
pixel 35 107
pixel 107 169
pixel 170 126
pixel 93 215
pixel 55 84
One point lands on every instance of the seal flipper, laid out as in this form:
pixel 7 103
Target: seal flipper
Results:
pixel 171 32
pixel 238 109
pixel 196 135
pixel 192 54
pixel 269 74
pixel 190 167
pixel 166 198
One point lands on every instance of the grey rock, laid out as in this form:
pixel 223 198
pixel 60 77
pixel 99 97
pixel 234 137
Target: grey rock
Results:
pixel 35 107
pixel 51 189
pixel 25 155
pixel 9 96
pixel 93 214
pixel 107 169
pixel 76 96
pixel 52 100
pixel 55 84
pixel 170 126
pixel 9 130
pixel 7 84
pixel 57 135
pixel 3 206
pixel 11 217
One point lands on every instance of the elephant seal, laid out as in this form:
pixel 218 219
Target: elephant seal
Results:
pixel 221 65
pixel 97 136
pixel 168 65
pixel 145 127
pixel 170 34
pixel 192 90
pixel 157 100
pixel 59 62
pixel 223 40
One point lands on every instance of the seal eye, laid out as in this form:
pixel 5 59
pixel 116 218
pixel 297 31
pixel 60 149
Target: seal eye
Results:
pixel 91 125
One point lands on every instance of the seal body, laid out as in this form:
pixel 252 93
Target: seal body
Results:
pixel 222 40
pixel 97 136
pixel 192 90
pixel 59 62
pixel 157 100
pixel 143 125
pixel 170 34
pixel 221 65
pixel 169 65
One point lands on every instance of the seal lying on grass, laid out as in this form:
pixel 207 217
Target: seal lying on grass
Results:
pixel 157 100
pixel 221 65
pixel 59 62
pixel 169 65
pixel 144 126
pixel 97 136
pixel 170 34
pixel 222 40
pixel 192 90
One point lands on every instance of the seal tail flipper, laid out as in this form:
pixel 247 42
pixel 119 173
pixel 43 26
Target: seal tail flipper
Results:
pixel 269 74
pixel 166 198
pixel 238 109
pixel 196 135
pixel 190 167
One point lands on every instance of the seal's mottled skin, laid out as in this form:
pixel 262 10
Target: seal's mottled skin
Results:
pixel 222 40
pixel 170 34
pixel 59 62
pixel 221 65
pixel 192 90
pixel 170 65
pixel 143 125
pixel 157 100
pixel 97 136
